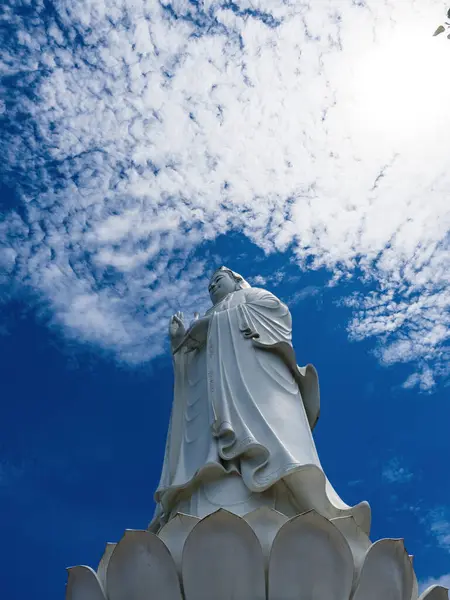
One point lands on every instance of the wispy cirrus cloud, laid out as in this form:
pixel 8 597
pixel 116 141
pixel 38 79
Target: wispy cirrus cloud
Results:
pixel 439 526
pixel 135 131
pixel 394 472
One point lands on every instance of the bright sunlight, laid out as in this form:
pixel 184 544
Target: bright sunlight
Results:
pixel 399 91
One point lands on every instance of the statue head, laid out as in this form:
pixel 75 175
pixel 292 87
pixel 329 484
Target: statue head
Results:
pixel 223 282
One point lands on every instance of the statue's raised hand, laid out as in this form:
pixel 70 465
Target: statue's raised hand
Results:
pixel 177 330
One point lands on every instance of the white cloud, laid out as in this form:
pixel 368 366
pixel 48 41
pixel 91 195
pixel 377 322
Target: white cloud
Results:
pixel 173 123
pixel 258 280
pixel 393 472
pixel 438 524
pixel 440 528
pixel 306 292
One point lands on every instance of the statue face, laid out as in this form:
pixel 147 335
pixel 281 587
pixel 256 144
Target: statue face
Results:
pixel 220 286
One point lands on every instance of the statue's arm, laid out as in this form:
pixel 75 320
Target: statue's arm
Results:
pixel 196 335
pixel 265 318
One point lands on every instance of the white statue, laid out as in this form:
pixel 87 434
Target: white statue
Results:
pixel 240 439
pixel 240 433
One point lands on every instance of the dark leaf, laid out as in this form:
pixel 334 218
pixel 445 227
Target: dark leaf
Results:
pixel 448 14
pixel 439 30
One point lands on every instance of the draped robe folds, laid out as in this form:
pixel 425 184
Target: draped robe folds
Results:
pixel 243 407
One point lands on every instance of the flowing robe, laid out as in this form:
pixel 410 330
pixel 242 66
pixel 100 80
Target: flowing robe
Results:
pixel 243 407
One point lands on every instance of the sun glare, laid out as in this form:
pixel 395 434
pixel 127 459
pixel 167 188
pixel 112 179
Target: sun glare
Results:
pixel 400 90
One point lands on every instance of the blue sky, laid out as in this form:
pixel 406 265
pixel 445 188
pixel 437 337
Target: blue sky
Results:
pixel 144 144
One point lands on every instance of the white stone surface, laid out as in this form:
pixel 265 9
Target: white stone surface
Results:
pixel 242 413
pixel 357 540
pixel 83 584
pixel 175 533
pixel 222 559
pixel 141 568
pixel 310 558
pixel 435 592
pixel 266 523
pixel 387 573
pixel 104 562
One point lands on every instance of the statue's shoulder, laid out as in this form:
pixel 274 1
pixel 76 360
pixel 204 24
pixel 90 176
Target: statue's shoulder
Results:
pixel 259 297
pixel 255 293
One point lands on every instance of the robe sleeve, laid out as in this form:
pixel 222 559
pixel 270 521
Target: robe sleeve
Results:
pixel 173 440
pixel 268 322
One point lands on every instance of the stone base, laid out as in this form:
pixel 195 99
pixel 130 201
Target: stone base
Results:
pixel 262 555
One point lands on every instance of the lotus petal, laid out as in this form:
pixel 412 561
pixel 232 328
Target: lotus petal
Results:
pixel 415 592
pixel 386 573
pixel 435 592
pixel 310 560
pixel 83 584
pixel 415 586
pixel 174 535
pixel 103 564
pixel 141 568
pixel 357 540
pixel 223 559
pixel 265 522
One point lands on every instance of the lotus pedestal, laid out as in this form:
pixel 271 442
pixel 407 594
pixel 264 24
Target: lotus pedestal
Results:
pixel 261 556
